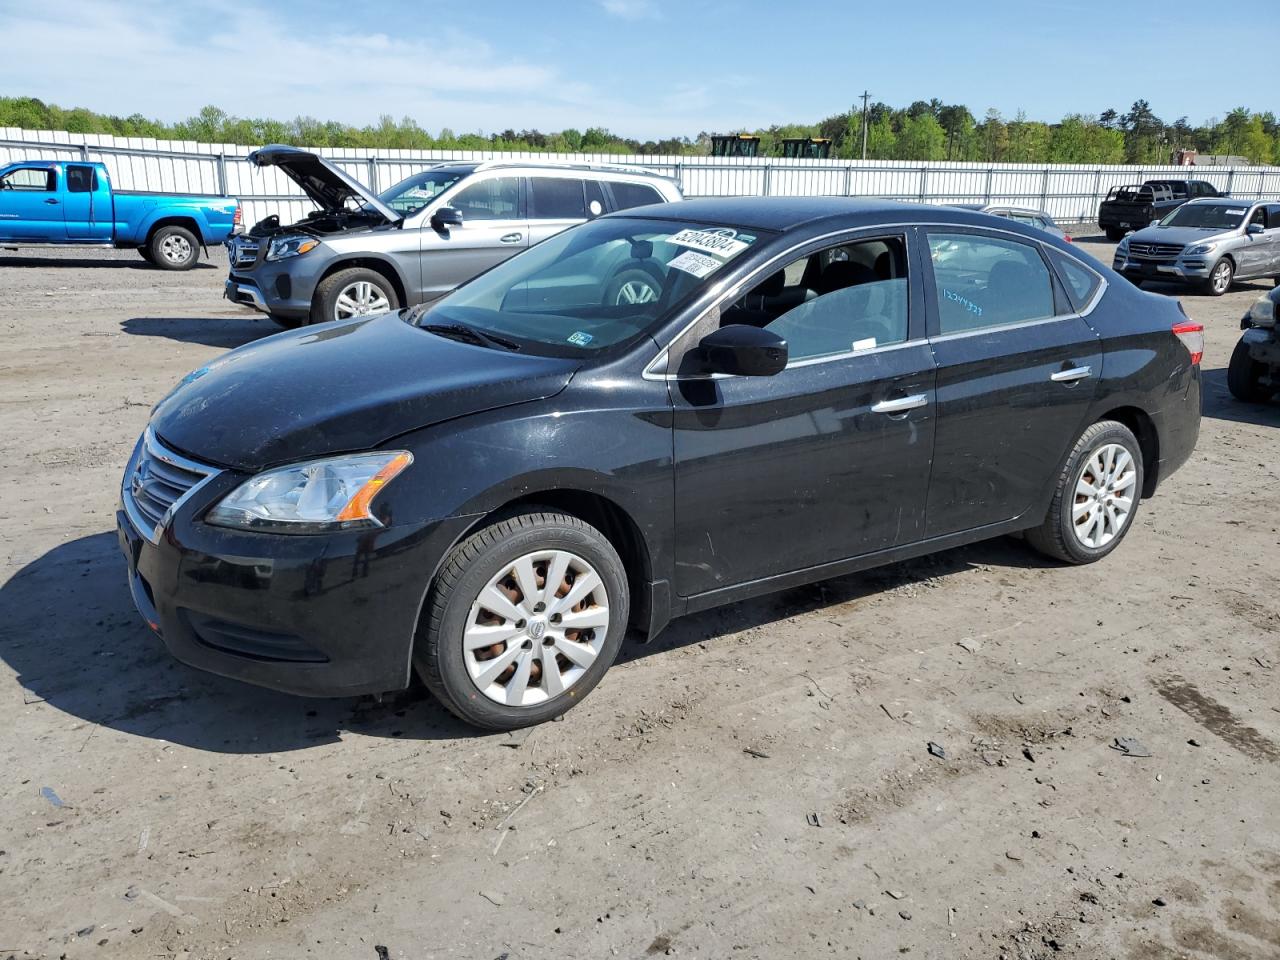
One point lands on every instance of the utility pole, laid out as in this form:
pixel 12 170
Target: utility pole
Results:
pixel 865 97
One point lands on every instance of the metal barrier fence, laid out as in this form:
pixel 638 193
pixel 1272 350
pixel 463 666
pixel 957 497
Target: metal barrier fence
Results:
pixel 1070 193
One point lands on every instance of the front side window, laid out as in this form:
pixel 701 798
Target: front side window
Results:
pixel 627 195
pixel 30 179
pixel 596 286
pixel 1219 216
pixel 985 281
pixel 495 199
pixel 414 194
pixel 556 198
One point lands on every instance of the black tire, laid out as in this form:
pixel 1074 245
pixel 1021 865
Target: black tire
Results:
pixel 438 650
pixel 1057 536
pixel 1115 234
pixel 1220 278
pixel 324 305
pixel 1244 376
pixel 633 279
pixel 287 323
pixel 173 248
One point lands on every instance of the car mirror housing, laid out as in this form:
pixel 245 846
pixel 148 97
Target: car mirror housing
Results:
pixel 1154 223
pixel 446 217
pixel 1253 228
pixel 743 351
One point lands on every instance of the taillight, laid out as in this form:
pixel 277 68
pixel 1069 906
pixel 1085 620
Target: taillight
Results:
pixel 238 219
pixel 1192 336
pixel 1067 237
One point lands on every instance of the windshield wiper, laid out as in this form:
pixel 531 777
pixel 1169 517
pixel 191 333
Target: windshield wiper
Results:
pixel 460 331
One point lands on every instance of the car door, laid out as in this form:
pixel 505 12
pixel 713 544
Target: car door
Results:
pixel 1273 239
pixel 493 228
pixel 828 459
pixel 1017 372
pixel 1252 252
pixel 30 207
pixel 555 204
pixel 86 206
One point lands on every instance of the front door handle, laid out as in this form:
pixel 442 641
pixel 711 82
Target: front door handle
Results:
pixel 1072 375
pixel 900 404
pixel 51 200
pixel 513 238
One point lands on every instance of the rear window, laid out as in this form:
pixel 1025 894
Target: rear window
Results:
pixel 1081 282
pixel 626 195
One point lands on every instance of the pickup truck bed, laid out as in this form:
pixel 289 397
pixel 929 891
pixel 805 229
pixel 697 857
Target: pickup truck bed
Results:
pixel 1134 206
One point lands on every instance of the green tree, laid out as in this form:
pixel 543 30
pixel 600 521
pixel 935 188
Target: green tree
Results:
pixel 882 141
pixel 922 138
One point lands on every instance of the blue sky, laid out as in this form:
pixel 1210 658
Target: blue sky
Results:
pixel 642 68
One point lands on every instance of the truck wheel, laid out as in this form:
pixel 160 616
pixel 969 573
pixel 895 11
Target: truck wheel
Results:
pixel 173 248
pixel 1096 498
pixel 355 292
pixel 523 620
pixel 1115 234
pixel 1220 278
pixel 1244 376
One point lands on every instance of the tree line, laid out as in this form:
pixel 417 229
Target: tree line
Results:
pixel 925 130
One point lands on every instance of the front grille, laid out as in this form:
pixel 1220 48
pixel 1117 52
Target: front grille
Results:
pixel 158 480
pixel 242 252
pixel 1154 252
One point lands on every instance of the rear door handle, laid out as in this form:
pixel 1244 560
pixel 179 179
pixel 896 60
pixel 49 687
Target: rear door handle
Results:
pixel 1070 376
pixel 51 200
pixel 513 238
pixel 900 404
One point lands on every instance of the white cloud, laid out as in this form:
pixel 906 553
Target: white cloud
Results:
pixel 631 9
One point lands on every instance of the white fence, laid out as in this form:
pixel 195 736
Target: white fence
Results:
pixel 1068 192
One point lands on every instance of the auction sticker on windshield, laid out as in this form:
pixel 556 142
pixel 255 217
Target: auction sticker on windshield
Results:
pixel 722 245
pixel 695 263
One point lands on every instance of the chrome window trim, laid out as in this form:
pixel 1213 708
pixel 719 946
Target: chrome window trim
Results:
pixel 155 448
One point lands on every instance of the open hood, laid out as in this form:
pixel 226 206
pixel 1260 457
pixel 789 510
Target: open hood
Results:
pixel 326 184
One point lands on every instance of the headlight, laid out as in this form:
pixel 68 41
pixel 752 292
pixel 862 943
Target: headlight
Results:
pixel 1122 247
pixel 312 497
pixel 1263 312
pixel 282 248
pixel 1201 248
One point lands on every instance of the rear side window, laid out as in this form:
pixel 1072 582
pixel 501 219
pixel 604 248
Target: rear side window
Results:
pixel 595 197
pixel 1081 282
pixel 556 198
pixel 985 282
pixel 626 195
pixel 496 199
pixel 81 179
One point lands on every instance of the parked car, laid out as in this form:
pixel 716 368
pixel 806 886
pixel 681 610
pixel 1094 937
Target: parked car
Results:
pixel 494 485
pixel 1025 215
pixel 73 204
pixel 1254 372
pixel 1210 243
pixel 362 253
pixel 1134 206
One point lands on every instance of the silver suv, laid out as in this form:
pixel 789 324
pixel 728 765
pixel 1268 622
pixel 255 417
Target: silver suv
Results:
pixel 1209 242
pixel 362 253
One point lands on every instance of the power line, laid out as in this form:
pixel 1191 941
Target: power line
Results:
pixel 865 97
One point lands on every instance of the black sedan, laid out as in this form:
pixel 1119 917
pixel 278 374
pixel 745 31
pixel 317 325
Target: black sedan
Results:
pixel 648 415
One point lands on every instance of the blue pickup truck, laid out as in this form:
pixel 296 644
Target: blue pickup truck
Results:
pixel 72 204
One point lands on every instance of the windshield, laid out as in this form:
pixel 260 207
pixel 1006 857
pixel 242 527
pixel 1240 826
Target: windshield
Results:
pixel 592 287
pixel 411 195
pixel 1219 216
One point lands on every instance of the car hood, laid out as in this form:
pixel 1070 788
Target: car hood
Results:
pixel 325 183
pixel 1183 235
pixel 341 387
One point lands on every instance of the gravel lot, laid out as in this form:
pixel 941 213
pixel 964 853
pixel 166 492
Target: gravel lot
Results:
pixel 754 784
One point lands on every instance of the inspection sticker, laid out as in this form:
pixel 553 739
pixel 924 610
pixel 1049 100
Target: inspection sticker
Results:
pixel 695 263
pixel 718 243
pixel 1233 213
pixel 579 339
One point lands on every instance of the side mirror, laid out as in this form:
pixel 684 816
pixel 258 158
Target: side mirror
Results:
pixel 1254 228
pixel 446 217
pixel 744 351
pixel 1154 223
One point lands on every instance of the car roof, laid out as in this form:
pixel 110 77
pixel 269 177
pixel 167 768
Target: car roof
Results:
pixel 1223 202
pixel 47 164
pixel 787 213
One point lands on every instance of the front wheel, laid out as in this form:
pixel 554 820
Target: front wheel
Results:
pixel 1096 497
pixel 355 292
pixel 523 620
pixel 1244 376
pixel 173 248
pixel 1220 278
pixel 633 286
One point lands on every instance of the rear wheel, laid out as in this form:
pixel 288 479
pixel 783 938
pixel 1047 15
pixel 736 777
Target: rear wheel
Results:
pixel 1096 498
pixel 173 248
pixel 1220 278
pixel 1115 234
pixel 633 286
pixel 523 620
pixel 355 292
pixel 1244 376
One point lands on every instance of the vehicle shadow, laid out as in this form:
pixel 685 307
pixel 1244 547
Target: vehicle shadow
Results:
pixel 1218 403
pixel 86 263
pixel 69 632
pixel 1195 290
pixel 211 331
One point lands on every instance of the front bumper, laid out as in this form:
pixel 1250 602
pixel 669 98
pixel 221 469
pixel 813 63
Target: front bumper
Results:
pixel 1263 344
pixel 326 615
pixel 1188 269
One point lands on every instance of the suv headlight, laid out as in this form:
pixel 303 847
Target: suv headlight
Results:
pixel 1122 247
pixel 282 248
pixel 318 496
pixel 1201 248
pixel 1263 312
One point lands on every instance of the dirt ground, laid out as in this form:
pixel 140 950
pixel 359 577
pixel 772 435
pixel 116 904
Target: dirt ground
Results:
pixel 754 784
